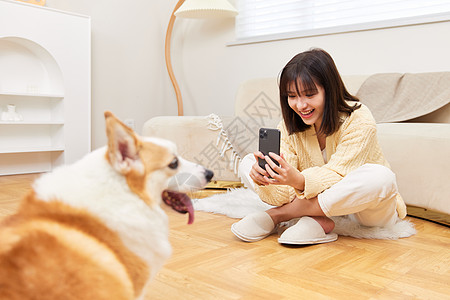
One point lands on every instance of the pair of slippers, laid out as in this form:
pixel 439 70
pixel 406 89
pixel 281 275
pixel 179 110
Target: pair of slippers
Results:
pixel 258 226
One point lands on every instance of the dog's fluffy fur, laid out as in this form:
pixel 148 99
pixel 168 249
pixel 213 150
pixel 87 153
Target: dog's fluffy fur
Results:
pixel 95 229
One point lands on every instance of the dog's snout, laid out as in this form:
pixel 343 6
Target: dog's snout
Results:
pixel 209 175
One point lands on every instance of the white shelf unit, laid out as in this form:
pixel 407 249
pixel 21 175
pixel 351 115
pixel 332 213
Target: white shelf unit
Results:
pixel 34 108
pixel 45 73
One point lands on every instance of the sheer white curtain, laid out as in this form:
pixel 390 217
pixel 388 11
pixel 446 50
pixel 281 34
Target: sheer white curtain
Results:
pixel 272 19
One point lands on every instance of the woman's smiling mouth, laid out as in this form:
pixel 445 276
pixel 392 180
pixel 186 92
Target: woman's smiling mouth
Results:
pixel 306 114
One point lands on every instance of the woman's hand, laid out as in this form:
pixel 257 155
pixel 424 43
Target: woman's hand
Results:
pixel 284 174
pixel 258 174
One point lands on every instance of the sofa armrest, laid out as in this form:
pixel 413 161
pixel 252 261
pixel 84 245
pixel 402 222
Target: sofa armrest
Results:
pixel 195 142
pixel 418 154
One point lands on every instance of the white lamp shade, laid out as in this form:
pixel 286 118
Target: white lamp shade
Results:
pixel 205 9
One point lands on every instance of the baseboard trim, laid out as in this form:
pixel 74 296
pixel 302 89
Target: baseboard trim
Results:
pixel 429 215
pixel 224 185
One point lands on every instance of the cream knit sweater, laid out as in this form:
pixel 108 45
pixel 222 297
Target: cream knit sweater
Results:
pixel 354 144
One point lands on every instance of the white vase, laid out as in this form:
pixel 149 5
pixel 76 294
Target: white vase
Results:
pixel 11 115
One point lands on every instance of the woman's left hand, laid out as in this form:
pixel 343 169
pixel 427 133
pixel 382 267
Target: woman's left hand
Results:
pixel 283 174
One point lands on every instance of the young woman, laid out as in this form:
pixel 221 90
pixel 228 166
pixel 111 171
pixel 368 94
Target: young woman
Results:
pixel 331 163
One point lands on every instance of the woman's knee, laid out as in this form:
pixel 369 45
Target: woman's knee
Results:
pixel 380 178
pixel 244 169
pixel 245 165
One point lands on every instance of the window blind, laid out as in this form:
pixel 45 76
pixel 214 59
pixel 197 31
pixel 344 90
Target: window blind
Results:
pixel 274 19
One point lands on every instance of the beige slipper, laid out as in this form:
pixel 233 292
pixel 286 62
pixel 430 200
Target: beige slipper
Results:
pixel 254 227
pixel 306 231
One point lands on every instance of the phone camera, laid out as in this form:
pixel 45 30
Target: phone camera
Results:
pixel 263 134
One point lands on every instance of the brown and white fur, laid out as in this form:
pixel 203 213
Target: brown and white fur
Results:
pixel 95 229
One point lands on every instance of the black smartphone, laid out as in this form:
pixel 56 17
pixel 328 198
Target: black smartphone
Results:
pixel 269 141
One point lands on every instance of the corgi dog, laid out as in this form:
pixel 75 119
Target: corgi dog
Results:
pixel 95 229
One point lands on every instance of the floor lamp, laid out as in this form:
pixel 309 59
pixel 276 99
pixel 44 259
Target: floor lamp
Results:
pixel 198 9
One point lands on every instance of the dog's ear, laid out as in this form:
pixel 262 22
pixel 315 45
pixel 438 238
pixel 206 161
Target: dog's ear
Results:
pixel 123 146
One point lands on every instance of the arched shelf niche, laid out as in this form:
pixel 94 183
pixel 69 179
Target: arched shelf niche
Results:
pixel 27 68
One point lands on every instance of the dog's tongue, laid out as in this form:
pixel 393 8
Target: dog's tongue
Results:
pixel 179 202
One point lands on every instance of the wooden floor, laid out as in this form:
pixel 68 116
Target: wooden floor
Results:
pixel 208 262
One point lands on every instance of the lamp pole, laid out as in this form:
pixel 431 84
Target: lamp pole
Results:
pixel 198 9
pixel 169 61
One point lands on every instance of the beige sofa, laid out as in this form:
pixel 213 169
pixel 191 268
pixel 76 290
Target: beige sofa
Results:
pixel 418 150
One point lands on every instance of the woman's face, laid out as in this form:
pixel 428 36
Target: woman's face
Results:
pixel 308 104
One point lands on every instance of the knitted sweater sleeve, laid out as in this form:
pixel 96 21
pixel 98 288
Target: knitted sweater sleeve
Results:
pixel 280 194
pixel 355 140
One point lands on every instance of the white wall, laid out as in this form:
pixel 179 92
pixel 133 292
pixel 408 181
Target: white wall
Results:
pixel 130 79
pixel 128 69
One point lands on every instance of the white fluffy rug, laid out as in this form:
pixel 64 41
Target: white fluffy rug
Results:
pixel 238 203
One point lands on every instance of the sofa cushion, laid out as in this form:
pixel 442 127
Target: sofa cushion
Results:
pixel 257 99
pixel 195 140
pixel 418 155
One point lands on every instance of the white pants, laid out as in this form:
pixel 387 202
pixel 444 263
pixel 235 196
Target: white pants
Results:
pixel 367 194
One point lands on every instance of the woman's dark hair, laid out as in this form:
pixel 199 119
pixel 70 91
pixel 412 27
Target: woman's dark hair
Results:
pixel 308 69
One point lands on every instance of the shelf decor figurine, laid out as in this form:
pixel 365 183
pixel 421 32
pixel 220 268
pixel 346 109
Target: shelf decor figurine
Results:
pixel 11 115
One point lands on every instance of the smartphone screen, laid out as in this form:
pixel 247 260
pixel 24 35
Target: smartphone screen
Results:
pixel 269 141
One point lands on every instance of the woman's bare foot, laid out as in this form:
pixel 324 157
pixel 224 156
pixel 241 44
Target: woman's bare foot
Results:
pixel 299 208
pixel 326 223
